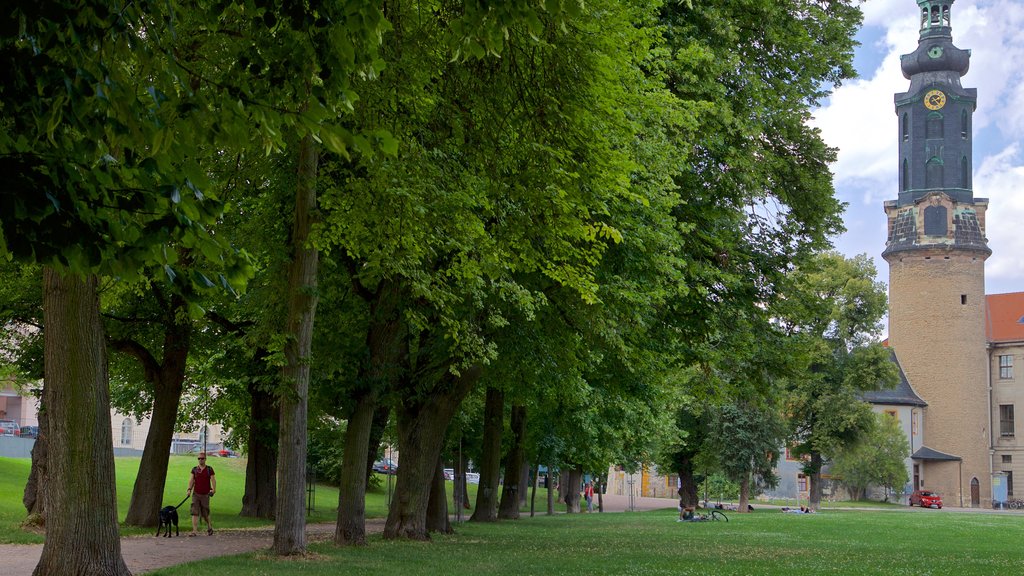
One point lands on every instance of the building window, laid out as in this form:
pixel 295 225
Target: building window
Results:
pixel 801 482
pixel 906 127
pixel 1006 367
pixel 965 173
pixel 892 414
pixel 906 175
pixel 935 221
pixel 965 127
pixel 1006 419
pixel 1007 459
pixel 1009 483
pixel 127 432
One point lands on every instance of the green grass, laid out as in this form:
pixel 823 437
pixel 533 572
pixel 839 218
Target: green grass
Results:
pixel 225 506
pixel 847 542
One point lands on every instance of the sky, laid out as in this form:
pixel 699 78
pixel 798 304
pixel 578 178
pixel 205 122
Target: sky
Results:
pixel 860 120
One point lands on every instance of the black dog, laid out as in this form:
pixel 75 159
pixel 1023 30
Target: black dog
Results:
pixel 169 516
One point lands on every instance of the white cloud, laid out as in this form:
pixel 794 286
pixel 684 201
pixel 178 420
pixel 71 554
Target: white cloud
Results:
pixel 1001 179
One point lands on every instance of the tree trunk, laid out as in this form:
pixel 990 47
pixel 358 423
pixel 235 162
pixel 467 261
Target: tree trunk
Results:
pixel 509 507
pixel 421 427
pixel 290 516
pixel 572 490
pixel 688 496
pixel 168 379
pixel 744 503
pixel 486 509
pixel 380 421
pixel 533 494
pixel 81 507
pixel 524 481
pixel 351 526
pixel 599 490
pixel 437 507
pixel 814 495
pixel 35 489
pixel 461 497
pixel 260 498
pixel 384 338
pixel 551 490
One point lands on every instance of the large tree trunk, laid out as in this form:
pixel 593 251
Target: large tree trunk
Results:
pixel 387 357
pixel 35 489
pixel 509 507
pixel 688 496
pixel 599 489
pixel 81 506
pixel 421 428
pixel 744 503
pixel 351 525
pixel 486 509
pixel 260 498
pixel 524 479
pixel 814 497
pixel 437 507
pixel 572 490
pixel 290 516
pixel 167 378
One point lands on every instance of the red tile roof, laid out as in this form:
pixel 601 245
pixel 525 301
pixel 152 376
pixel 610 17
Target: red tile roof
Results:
pixel 1004 317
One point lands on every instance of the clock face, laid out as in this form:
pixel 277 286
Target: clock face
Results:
pixel 935 52
pixel 934 100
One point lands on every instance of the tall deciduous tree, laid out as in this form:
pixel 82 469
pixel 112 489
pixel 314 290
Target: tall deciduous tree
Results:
pixel 96 140
pixel 878 459
pixel 835 308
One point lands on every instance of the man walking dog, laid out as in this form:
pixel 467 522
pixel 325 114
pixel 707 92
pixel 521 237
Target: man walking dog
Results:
pixel 201 485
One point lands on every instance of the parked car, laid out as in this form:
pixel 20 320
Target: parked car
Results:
pixel 925 499
pixel 225 453
pixel 30 431
pixel 472 478
pixel 449 474
pixel 385 466
pixel 9 428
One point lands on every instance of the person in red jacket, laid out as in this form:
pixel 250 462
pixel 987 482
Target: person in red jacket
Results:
pixel 201 485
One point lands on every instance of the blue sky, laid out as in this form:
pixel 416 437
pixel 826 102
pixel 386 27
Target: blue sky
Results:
pixel 860 120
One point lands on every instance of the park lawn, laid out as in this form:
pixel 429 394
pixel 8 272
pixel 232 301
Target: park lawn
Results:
pixel 225 506
pixel 767 542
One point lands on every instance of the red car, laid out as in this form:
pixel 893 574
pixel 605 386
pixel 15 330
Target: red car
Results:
pixel 926 499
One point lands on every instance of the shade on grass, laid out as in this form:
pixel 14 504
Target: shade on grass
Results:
pixel 766 542
pixel 225 506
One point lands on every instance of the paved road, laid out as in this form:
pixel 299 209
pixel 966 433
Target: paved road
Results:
pixel 146 553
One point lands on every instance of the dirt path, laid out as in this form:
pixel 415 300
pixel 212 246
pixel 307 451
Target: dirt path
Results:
pixel 147 553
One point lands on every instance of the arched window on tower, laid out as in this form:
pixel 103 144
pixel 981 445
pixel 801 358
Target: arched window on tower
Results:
pixel 905 127
pixel 934 129
pixel 933 173
pixel 965 124
pixel 945 14
pixel 905 175
pixel 935 15
pixel 965 173
pixel 127 432
pixel 935 221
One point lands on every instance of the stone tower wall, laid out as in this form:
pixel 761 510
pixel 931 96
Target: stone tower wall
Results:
pixel 936 326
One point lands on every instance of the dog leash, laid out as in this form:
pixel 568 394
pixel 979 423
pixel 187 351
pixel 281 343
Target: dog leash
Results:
pixel 182 502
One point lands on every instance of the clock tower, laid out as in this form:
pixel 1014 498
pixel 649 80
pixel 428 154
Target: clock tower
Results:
pixel 936 250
